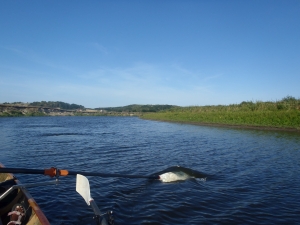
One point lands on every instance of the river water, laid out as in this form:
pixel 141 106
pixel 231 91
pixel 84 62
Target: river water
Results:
pixel 252 177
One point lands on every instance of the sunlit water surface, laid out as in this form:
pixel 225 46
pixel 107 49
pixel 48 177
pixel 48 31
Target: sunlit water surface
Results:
pixel 227 176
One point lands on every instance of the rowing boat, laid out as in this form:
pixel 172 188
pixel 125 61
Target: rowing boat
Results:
pixel 18 205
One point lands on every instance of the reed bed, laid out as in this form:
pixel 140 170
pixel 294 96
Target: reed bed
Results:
pixel 280 114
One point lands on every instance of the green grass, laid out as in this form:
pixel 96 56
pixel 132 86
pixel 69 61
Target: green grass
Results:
pixel 280 114
pixel 12 114
pixel 20 114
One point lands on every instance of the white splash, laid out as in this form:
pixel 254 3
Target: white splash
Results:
pixel 173 176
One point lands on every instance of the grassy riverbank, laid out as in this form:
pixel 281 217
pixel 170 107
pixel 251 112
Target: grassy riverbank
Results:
pixel 280 114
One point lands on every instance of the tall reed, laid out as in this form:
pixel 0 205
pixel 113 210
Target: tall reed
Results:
pixel 284 113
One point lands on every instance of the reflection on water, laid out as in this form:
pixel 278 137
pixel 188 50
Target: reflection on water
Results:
pixel 252 177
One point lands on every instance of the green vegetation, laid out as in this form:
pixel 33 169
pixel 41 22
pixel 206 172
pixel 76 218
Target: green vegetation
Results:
pixel 11 114
pixel 14 113
pixel 138 108
pixel 281 114
pixel 35 114
pixel 61 105
pixel 14 103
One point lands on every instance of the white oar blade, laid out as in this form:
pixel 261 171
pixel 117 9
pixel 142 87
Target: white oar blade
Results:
pixel 83 188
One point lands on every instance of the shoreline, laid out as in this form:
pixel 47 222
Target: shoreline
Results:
pixel 248 127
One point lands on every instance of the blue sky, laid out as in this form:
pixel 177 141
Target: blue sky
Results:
pixel 116 53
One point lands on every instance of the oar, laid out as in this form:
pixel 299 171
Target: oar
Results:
pixel 54 172
pixel 83 188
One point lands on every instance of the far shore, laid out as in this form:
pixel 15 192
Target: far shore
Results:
pixel 282 115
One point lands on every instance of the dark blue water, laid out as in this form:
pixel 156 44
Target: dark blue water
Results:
pixel 252 176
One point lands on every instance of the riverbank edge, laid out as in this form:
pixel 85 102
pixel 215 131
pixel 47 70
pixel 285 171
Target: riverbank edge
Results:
pixel 249 127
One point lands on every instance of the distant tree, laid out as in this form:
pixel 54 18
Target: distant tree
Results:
pixel 289 99
pixel 57 104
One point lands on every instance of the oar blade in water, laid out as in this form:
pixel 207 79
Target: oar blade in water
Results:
pixel 173 176
pixel 178 173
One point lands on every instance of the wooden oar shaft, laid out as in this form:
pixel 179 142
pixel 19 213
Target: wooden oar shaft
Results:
pixel 53 172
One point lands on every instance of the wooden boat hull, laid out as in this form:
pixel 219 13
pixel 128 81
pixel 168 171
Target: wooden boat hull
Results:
pixel 34 215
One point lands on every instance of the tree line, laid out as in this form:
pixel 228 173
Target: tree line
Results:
pixel 57 104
